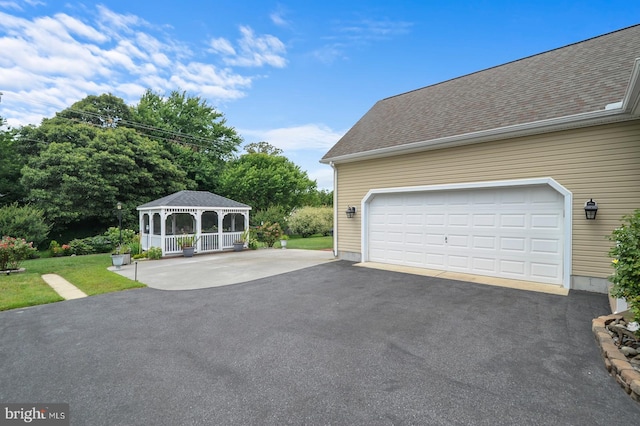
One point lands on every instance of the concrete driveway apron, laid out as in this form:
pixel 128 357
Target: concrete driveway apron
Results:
pixel 214 270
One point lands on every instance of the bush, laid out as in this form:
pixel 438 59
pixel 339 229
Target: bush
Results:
pixel 154 253
pixel 311 220
pixel 24 222
pixel 13 251
pixel 129 236
pixel 626 262
pixel 81 246
pixel 274 214
pixel 269 233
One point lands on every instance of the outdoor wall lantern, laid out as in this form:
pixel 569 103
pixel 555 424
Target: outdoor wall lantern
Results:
pixel 351 212
pixel 591 209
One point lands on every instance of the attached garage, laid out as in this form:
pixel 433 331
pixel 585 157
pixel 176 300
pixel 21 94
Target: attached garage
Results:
pixel 510 230
pixel 488 174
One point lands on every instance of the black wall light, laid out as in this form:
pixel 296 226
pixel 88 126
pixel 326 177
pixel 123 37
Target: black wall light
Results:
pixel 591 209
pixel 351 212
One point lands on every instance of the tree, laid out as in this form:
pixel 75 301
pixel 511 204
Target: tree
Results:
pixel 10 164
pixel 195 133
pixel 84 181
pixel 105 110
pixel 262 180
pixel 23 222
pixel 262 148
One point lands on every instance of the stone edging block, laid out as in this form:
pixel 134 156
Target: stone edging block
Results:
pixel 615 361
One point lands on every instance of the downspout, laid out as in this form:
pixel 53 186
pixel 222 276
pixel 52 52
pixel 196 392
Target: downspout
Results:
pixel 335 209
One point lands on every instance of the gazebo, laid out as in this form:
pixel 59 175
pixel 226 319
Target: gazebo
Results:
pixel 217 221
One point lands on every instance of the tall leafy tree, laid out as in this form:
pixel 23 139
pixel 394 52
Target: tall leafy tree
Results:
pixel 10 164
pixel 262 180
pixel 196 133
pixel 74 182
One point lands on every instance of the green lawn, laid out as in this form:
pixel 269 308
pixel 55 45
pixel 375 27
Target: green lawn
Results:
pixel 311 243
pixel 88 273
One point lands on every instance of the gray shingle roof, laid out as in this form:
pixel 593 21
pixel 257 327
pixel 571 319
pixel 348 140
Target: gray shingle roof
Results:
pixel 194 199
pixel 578 78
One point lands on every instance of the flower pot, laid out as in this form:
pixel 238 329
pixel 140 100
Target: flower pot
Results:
pixel 117 260
pixel 188 251
pixel 283 244
pixel 238 246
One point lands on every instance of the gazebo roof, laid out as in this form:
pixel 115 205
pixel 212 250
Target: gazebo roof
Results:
pixel 194 199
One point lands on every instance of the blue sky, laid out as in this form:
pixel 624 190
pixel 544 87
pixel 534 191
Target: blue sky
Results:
pixel 296 74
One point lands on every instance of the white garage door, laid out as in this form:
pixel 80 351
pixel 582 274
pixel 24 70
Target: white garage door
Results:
pixel 511 232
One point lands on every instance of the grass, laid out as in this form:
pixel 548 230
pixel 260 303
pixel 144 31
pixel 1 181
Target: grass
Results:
pixel 88 273
pixel 311 243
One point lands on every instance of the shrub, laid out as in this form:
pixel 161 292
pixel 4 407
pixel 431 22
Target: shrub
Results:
pixel 13 251
pixel 113 234
pixel 154 253
pixel 82 246
pixel 269 233
pixel 273 214
pixel 626 262
pixel 311 220
pixel 24 222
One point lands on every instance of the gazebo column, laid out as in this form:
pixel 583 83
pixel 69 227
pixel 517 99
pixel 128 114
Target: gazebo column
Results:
pixel 198 228
pixel 163 222
pixel 220 214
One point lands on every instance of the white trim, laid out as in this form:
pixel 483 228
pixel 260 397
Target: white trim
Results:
pixel 568 210
pixel 335 209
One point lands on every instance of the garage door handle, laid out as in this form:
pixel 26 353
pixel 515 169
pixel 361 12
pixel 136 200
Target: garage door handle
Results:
pixel 445 239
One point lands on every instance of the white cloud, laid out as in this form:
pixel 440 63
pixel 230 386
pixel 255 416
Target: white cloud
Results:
pixel 304 137
pixel 277 18
pixel 222 45
pixel 252 51
pixel 50 62
pixel 10 5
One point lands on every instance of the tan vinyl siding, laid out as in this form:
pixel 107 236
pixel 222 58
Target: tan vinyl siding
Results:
pixel 600 162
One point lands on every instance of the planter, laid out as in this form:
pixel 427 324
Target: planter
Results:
pixel 127 259
pixel 188 251
pixel 238 246
pixel 117 260
pixel 283 244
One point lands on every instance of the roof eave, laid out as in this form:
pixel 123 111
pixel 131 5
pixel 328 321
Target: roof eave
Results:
pixel 629 109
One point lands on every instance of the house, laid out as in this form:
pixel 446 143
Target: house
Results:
pixel 488 174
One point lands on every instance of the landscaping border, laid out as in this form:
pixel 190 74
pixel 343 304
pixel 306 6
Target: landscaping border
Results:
pixel 614 360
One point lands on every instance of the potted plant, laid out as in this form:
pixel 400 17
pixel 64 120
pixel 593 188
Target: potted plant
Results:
pixel 121 256
pixel 188 244
pixel 239 244
pixel 283 241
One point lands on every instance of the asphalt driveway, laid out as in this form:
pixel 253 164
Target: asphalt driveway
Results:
pixel 329 344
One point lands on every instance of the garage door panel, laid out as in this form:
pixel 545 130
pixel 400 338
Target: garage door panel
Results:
pixel 484 242
pixel 513 244
pixel 545 221
pixel 484 265
pixel 484 220
pixel 458 241
pixel 545 246
pixel 456 262
pixel 505 232
pixel 512 267
pixel 544 271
